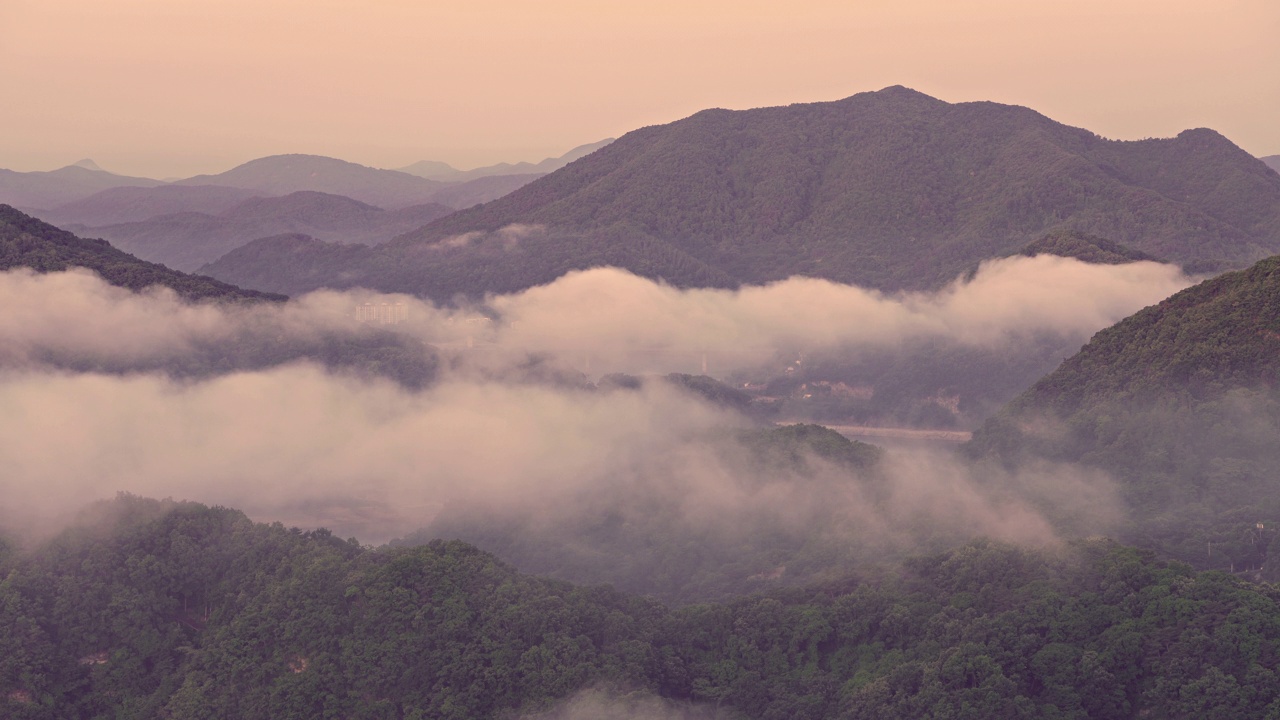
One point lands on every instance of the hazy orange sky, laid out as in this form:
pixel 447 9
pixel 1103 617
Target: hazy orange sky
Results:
pixel 177 87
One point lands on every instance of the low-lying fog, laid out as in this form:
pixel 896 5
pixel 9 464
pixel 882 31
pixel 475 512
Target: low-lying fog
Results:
pixel 370 457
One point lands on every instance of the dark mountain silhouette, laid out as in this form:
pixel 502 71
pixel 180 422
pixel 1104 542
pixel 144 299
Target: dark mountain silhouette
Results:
pixel 891 189
pixel 481 190
pixel 48 189
pixel 1273 162
pixel 188 240
pixel 1181 404
pixel 431 169
pixel 26 242
pixel 283 174
pixel 468 264
pixel 435 170
pixel 312 263
pixel 134 204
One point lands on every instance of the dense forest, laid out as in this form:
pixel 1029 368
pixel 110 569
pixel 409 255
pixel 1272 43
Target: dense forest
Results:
pixel 1179 403
pixel 890 190
pixel 150 609
pixel 1084 247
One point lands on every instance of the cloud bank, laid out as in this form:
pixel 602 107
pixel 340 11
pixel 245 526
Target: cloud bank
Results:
pixel 367 456
pixel 599 321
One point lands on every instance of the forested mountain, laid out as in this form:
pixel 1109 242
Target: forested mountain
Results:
pixel 26 242
pixel 434 170
pixel 283 174
pixel 188 240
pixel 152 609
pixel 1179 402
pixel 469 264
pixel 891 189
pixel 57 187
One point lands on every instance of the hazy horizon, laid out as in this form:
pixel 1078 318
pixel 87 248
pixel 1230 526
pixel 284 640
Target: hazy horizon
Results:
pixel 163 90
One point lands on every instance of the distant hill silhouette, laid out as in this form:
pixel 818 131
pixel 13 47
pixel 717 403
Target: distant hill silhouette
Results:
pixel 187 225
pixel 435 170
pixel 283 174
pixel 188 240
pixel 134 204
pixel 311 262
pixel 890 189
pixel 1273 162
pixel 470 193
pixel 26 242
pixel 57 187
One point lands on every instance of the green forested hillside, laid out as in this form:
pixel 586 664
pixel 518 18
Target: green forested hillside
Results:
pixel 28 242
pixel 1179 402
pixel 891 189
pixel 160 609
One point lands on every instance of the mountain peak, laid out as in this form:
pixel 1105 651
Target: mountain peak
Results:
pixel 902 91
pixel 87 164
pixel 1206 137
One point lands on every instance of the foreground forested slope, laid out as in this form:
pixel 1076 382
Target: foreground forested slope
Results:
pixel 160 609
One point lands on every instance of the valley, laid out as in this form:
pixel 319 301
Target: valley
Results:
pixel 886 406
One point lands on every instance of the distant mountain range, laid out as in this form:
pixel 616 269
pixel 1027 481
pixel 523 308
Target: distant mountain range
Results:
pixel 283 174
pixel 435 170
pixel 132 203
pixel 1273 162
pixel 71 194
pixel 65 185
pixel 890 189
pixel 26 242
pixel 190 222
pixel 188 240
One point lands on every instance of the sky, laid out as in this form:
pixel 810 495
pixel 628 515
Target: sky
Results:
pixel 171 89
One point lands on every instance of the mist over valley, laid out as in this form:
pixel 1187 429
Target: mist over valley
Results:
pixel 883 406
